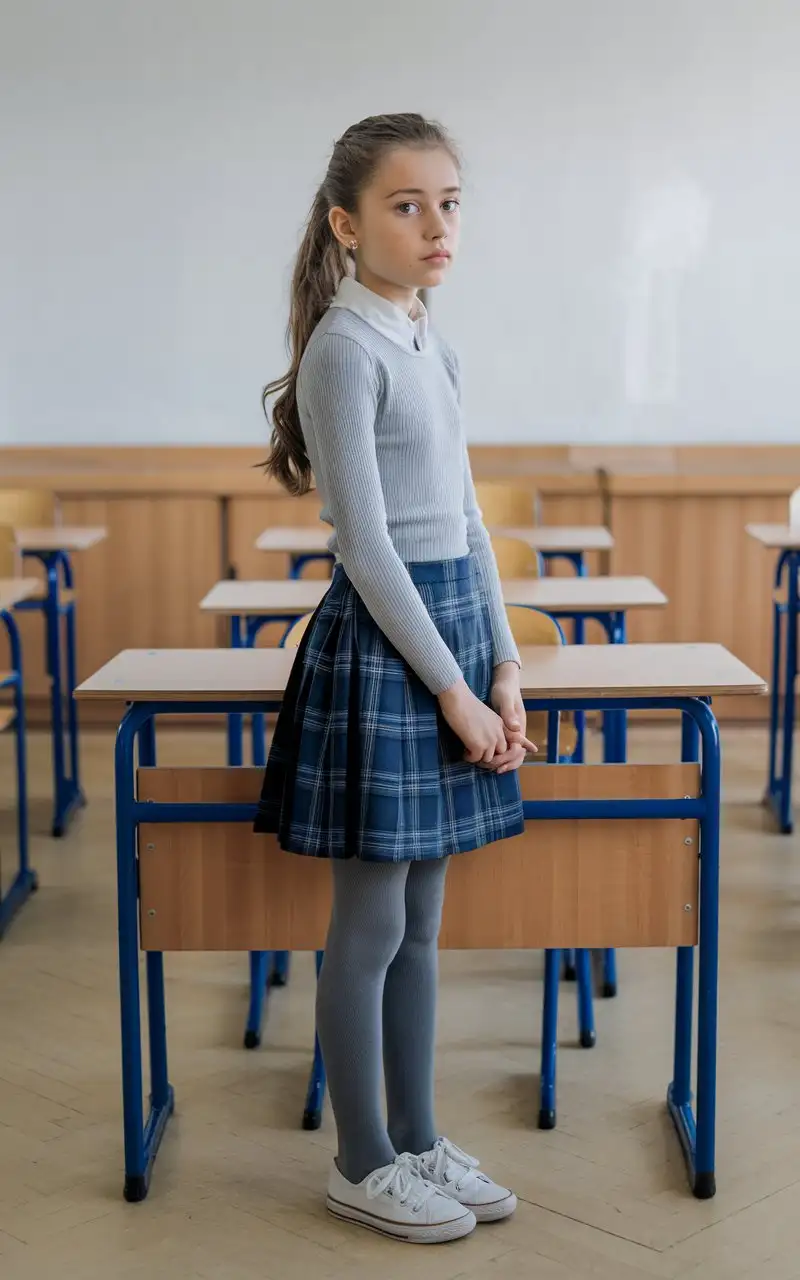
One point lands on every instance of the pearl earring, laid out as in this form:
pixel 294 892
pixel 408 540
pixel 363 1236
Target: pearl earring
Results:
pixel 353 245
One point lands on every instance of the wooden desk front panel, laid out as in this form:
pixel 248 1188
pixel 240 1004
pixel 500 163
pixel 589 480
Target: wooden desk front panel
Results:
pixel 625 883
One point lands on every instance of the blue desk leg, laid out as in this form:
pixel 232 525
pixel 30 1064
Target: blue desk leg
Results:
pixel 267 968
pixel 154 962
pixel 774 700
pixel 25 881
pixel 315 1096
pixel 260 962
pixel 615 751
pixel 68 795
pixel 72 681
pixel 142 1139
pixel 697 1135
pixel 684 978
pixel 547 1083
pixel 780 787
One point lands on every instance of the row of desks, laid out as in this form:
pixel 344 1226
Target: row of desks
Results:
pixel 192 876
pixel 227 887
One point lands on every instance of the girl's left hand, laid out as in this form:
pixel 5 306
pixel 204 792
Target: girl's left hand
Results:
pixel 506 699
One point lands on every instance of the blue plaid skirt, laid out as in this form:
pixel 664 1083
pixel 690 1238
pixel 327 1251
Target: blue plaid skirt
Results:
pixel 362 763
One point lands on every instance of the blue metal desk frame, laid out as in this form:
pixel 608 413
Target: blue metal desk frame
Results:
pixel 67 793
pixel 25 881
pixel 783 691
pixel 697 1135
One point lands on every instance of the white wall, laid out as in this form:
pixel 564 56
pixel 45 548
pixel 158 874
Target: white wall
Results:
pixel 631 256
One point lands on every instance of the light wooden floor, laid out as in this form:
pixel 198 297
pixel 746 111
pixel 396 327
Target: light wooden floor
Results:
pixel 237 1191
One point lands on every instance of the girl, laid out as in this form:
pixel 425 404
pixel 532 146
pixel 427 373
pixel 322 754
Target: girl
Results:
pixel 402 726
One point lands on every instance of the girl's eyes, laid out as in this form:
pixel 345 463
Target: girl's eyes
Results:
pixel 411 207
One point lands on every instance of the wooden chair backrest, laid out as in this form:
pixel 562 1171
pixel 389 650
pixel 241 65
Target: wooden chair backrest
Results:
pixel 10 559
pixel 515 559
pixel 296 632
pixel 34 508
pixel 503 504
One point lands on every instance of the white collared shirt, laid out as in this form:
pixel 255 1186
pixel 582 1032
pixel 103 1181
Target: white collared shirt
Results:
pixel 409 331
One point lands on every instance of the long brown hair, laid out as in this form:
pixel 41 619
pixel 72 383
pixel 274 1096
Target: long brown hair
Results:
pixel 321 264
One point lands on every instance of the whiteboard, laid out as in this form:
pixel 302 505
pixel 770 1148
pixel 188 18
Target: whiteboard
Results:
pixel 630 269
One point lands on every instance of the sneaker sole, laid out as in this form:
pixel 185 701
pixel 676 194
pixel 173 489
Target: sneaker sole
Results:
pixel 493 1212
pixel 406 1232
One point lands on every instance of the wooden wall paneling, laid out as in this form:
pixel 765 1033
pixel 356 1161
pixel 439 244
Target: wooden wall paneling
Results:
pixel 249 518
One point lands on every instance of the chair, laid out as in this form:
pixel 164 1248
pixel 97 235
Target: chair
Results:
pixel 33 509
pixel 10 558
pixel 506 505
pixel 515 559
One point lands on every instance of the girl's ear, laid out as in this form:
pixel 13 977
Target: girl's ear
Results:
pixel 342 227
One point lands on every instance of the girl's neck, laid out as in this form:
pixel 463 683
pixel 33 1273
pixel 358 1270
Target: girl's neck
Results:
pixel 398 294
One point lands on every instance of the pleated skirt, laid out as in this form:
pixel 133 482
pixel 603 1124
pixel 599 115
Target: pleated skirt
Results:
pixel 362 763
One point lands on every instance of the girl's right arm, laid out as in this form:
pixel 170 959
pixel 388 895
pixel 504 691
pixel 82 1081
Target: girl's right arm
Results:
pixel 339 388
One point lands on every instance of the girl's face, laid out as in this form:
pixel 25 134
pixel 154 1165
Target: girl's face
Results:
pixel 407 222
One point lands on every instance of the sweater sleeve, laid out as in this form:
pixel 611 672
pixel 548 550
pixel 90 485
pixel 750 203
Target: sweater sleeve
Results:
pixel 479 542
pixel 340 391
pixel 503 645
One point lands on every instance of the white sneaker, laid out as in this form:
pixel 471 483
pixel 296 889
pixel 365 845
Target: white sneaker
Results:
pixel 398 1201
pixel 457 1174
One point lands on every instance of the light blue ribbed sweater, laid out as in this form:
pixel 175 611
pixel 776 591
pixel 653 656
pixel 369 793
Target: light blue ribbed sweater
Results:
pixel 382 424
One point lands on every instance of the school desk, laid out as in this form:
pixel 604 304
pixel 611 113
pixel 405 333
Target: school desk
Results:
pixel 304 544
pixel 12 593
pixel 52 547
pixel 252 605
pixel 621 855
pixel 783 687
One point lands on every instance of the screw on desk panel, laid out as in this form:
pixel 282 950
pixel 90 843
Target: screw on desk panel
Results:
pixel 151 912
pixel 688 907
pixel 688 840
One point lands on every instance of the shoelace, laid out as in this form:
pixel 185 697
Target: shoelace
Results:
pixel 448 1163
pixel 404 1180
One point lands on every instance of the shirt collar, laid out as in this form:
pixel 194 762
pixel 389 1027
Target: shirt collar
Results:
pixel 409 331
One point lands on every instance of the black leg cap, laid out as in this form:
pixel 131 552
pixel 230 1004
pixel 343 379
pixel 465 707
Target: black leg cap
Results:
pixel 547 1119
pixel 135 1188
pixel 34 882
pixel 570 973
pixel 609 990
pixel 278 980
pixel 588 1039
pixel 252 1039
pixel 705 1186
pixel 57 830
pixel 312 1119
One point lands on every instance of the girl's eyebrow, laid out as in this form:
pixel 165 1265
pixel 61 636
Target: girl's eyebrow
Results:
pixel 415 191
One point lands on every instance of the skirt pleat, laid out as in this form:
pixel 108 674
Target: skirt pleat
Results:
pixel 362 764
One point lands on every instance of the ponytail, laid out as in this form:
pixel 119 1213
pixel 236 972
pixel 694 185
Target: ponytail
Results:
pixel 321 265
pixel 318 272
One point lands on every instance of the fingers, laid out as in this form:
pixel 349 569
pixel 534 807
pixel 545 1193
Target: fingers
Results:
pixel 522 741
pixel 515 763
pixel 510 759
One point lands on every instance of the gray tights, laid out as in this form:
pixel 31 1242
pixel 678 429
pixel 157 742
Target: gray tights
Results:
pixel 378 981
